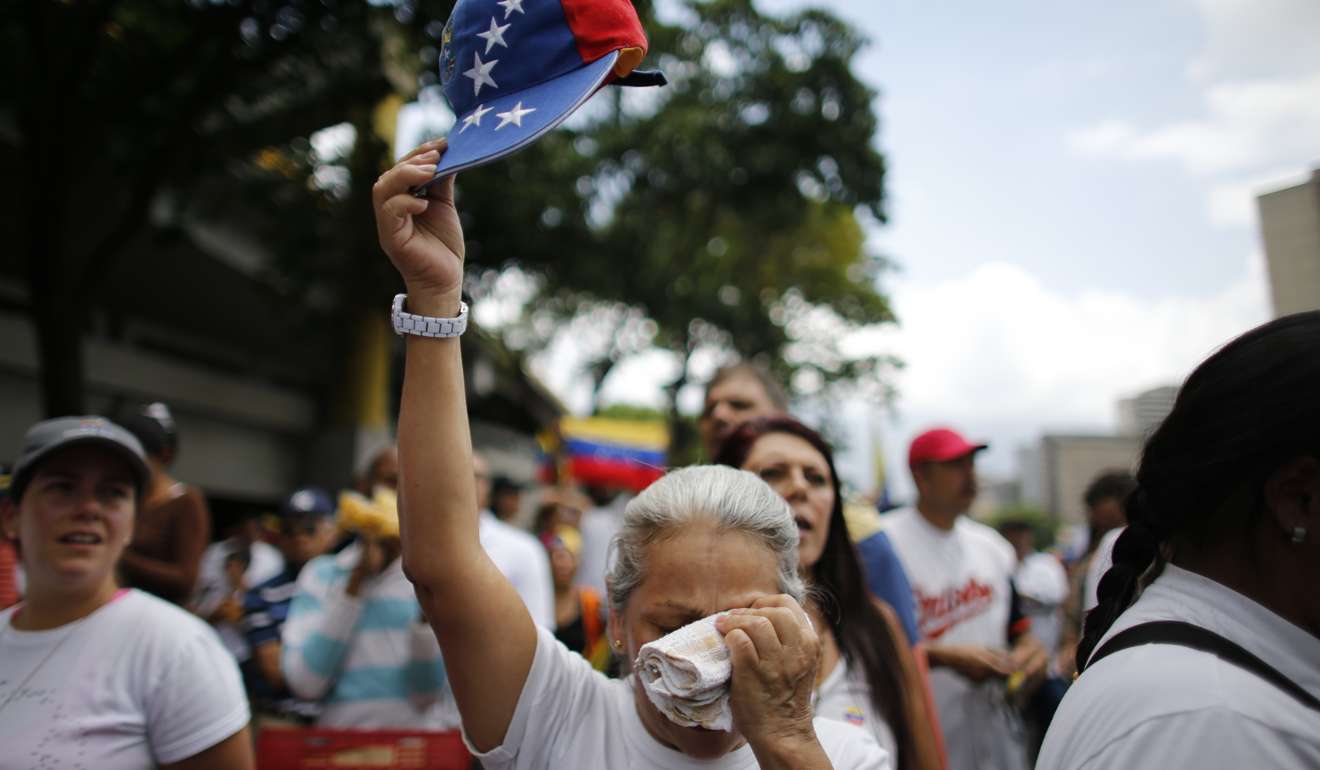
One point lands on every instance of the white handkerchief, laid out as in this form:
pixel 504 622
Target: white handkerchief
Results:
pixel 686 675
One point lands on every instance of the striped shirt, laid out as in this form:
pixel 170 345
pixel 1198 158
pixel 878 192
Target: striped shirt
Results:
pixel 370 658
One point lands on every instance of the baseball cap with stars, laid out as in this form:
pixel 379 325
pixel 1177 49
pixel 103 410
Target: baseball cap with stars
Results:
pixel 512 70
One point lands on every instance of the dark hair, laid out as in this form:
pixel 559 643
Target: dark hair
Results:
pixel 242 556
pixel 1246 410
pixel 153 426
pixel 773 390
pixel 863 635
pixel 1115 485
pixel 1110 484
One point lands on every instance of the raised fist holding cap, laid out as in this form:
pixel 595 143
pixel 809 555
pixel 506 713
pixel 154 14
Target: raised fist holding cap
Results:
pixel 422 235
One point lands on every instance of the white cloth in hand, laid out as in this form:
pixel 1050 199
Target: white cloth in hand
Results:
pixel 686 675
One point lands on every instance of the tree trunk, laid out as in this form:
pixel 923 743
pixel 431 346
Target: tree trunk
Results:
pixel 682 440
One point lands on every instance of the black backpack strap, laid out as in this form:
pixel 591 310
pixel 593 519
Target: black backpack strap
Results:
pixel 1188 635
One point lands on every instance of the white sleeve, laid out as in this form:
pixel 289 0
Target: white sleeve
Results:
pixel 536 586
pixel 561 691
pixel 1101 561
pixel 318 631
pixel 180 724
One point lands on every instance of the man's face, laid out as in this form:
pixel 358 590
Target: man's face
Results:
pixel 1107 514
pixel 507 503
pixel 948 486
pixel 303 538
pixel 384 471
pixel 732 402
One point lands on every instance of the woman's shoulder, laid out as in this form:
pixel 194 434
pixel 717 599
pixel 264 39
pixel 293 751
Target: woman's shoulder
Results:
pixel 152 618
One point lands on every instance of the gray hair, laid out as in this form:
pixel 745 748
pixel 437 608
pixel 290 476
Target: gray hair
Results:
pixel 728 498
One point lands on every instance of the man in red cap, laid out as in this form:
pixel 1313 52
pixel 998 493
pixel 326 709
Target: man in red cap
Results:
pixel 961 573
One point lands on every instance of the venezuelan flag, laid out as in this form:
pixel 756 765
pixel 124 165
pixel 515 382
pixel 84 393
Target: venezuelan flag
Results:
pixel 614 453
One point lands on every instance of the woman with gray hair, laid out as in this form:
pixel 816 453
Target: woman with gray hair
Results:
pixel 699 542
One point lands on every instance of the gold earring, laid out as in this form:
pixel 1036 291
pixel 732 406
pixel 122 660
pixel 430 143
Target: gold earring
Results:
pixel 618 644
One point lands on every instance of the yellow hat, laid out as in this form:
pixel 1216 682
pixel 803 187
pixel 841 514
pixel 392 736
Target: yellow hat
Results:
pixel 377 516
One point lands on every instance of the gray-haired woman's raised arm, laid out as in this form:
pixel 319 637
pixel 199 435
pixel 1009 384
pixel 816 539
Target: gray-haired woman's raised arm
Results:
pixel 485 632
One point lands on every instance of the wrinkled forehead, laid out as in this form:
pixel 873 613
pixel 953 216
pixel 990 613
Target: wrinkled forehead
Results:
pixel 739 386
pixel 707 570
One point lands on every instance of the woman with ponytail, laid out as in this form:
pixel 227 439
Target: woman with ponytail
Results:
pixel 1204 650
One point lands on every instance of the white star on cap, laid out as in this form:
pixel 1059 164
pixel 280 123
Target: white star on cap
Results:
pixel 475 118
pixel 510 6
pixel 513 116
pixel 495 35
pixel 480 73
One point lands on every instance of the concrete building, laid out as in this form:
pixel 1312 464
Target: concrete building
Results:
pixel 1290 229
pixel 259 399
pixel 1062 465
pixel 1141 414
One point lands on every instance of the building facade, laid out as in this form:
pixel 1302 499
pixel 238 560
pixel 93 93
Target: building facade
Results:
pixel 1290 229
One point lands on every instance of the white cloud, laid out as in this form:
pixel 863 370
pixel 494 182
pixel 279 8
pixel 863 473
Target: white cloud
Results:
pixel 1247 124
pixel 1001 356
pixel 1257 38
pixel 1258 78
pixel 1104 138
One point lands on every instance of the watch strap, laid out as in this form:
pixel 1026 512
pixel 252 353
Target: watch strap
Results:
pixel 424 325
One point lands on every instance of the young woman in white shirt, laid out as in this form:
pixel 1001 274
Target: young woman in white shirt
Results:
pixel 698 542
pixel 1224 536
pixel 91 675
pixel 867 675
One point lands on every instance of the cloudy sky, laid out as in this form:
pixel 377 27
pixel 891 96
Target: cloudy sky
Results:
pixel 1071 204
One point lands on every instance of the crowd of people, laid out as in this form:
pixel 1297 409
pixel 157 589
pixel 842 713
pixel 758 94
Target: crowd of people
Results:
pixel 431 594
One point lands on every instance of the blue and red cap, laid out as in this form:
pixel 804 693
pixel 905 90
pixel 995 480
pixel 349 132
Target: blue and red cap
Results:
pixel 514 69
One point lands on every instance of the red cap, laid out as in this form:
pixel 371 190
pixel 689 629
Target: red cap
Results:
pixel 940 445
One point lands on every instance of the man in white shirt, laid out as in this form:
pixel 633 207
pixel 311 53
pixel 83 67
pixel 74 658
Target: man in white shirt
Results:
pixel 518 554
pixel 961 573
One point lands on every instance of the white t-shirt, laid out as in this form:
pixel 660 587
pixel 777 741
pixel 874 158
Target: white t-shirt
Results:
pixel 962 583
pixel 1042 586
pixel 845 697
pixel 212 587
pixel 1101 560
pixel 1162 706
pixel 598 526
pixel 138 682
pixel 571 716
pixel 523 560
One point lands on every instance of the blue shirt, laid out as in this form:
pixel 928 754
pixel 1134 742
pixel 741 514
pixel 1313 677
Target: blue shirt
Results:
pixel 886 579
pixel 266 607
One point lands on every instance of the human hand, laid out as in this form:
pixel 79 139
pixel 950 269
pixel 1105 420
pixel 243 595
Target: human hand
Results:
pixel 774 653
pixel 422 236
pixel 974 662
pixel 230 610
pixel 371 562
pixel 1030 662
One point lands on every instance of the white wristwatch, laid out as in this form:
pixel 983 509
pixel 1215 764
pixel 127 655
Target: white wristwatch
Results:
pixel 425 325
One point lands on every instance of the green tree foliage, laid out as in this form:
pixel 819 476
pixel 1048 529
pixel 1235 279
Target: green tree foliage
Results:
pixel 723 209
pixel 1043 525
pixel 116 116
pixel 719 212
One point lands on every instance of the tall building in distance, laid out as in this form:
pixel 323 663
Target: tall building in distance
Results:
pixel 1141 414
pixel 1290 228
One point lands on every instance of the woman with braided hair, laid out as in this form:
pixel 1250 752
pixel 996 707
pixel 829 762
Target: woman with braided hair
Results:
pixel 1204 650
